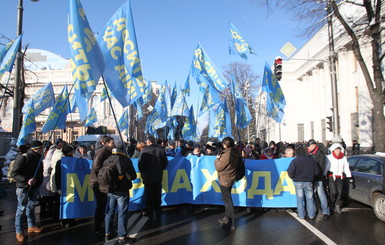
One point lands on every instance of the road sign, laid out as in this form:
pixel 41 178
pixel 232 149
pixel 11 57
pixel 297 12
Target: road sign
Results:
pixel 288 49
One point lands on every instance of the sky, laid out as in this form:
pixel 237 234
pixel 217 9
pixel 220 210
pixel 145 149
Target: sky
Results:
pixel 168 31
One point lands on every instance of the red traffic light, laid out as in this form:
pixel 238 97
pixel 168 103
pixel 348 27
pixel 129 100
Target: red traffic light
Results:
pixel 278 61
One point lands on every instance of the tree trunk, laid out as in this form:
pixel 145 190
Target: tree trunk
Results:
pixel 378 124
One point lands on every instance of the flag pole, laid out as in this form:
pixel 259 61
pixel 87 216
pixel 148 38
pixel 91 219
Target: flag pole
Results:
pixel 259 113
pixel 113 113
pixel 5 89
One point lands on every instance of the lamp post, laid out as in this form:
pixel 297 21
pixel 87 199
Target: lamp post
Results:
pixel 18 90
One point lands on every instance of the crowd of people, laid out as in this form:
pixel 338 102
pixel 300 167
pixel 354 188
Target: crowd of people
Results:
pixel 315 170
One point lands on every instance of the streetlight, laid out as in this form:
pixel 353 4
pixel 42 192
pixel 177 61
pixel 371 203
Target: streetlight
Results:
pixel 18 90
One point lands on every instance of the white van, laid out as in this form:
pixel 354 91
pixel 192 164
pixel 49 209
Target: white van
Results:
pixel 90 139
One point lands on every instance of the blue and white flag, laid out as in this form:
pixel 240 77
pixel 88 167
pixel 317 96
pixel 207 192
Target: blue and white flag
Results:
pixel 238 45
pixel 123 72
pixel 123 121
pixel 29 125
pixel 186 88
pixel 205 72
pixel 85 55
pixel 174 94
pixel 58 114
pixel 180 106
pixel 147 96
pixel 5 49
pixel 242 114
pixel 10 56
pixel 91 119
pixel 210 98
pixel 220 124
pixel 44 98
pixel 234 88
pixel 103 95
pixel 163 105
pixel 72 104
pixel 190 126
pixel 275 99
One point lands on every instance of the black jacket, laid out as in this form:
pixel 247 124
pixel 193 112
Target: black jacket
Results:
pixel 303 169
pixel 152 162
pixel 24 169
pixel 100 156
pixel 320 158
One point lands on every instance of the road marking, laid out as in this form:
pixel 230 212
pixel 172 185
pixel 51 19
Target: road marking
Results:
pixel 355 209
pixel 316 232
pixel 134 231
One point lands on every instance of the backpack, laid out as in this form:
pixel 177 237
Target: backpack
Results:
pixel 11 166
pixel 108 176
pixel 241 170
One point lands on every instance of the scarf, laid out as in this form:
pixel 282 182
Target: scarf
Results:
pixel 314 151
pixel 338 157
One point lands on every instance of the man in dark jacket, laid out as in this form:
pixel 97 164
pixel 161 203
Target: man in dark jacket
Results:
pixel 152 162
pixel 101 198
pixel 303 170
pixel 118 193
pixel 320 158
pixel 27 187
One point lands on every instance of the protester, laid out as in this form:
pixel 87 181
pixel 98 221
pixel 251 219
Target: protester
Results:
pixel 320 158
pixel 289 152
pixel 181 146
pixel 138 150
pixel 268 154
pixel 197 151
pixel 226 164
pixel 189 148
pixel 81 152
pixel 91 151
pixel 337 168
pixel 302 170
pixel 27 187
pixel 152 162
pixel 123 173
pixel 246 152
pixel 211 149
pixel 170 149
pixel 101 198
pixel 356 147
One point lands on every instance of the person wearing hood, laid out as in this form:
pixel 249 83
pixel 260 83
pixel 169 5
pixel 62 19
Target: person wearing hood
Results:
pixel 337 169
pixel 268 154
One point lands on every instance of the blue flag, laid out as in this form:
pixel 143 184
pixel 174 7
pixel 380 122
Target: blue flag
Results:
pixel 9 58
pixel 210 98
pixel 91 119
pixel 29 125
pixel 139 110
pixel 42 99
pixel 275 99
pixel 5 49
pixel 234 88
pixel 205 72
pixel 242 114
pixel 123 71
pixel 58 114
pixel 238 45
pixel 103 95
pixel 220 125
pixel 147 96
pixel 85 55
pixel 123 121
pixel 190 126
pixel 162 106
pixel 174 94
pixel 180 107
pixel 186 89
pixel 82 104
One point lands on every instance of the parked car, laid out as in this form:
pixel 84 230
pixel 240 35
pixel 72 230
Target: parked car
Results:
pixel 368 182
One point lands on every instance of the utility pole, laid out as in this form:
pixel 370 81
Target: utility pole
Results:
pixel 18 89
pixel 333 76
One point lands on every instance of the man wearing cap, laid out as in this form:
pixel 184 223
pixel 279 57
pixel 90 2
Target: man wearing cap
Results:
pixel 320 158
pixel 152 162
pixel 27 187
pixel 170 150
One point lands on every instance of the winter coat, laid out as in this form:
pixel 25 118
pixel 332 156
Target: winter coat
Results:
pixel 337 167
pixel 226 164
pixel 24 168
pixel 303 169
pixel 100 156
pixel 153 161
pixel 57 155
pixel 320 158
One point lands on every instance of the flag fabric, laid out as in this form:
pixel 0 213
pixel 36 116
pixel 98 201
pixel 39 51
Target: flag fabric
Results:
pixel 72 104
pixel 217 126
pixel 275 99
pixel 5 49
pixel 147 96
pixel 205 72
pixel 123 121
pixel 91 119
pixel 234 88
pixel 186 88
pixel 10 56
pixel 163 104
pixel 103 95
pixel 29 125
pixel 139 111
pixel 210 98
pixel 180 106
pixel 82 104
pixel 242 114
pixel 123 72
pixel 86 58
pixel 174 94
pixel 190 126
pixel 238 45
pixel 44 98
pixel 58 113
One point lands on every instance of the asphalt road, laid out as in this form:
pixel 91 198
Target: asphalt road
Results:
pixel 189 224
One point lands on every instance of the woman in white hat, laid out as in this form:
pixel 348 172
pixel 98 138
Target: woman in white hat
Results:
pixel 337 169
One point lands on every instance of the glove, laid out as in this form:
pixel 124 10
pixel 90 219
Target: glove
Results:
pixel 351 180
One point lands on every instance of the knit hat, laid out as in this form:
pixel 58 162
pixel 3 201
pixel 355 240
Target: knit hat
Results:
pixel 247 150
pixel 67 149
pixel 311 142
pixel 58 141
pixel 36 144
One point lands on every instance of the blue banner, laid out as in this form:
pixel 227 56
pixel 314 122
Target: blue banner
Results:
pixel 29 125
pixel 85 55
pixel 123 72
pixel 42 99
pixel 10 56
pixel 185 180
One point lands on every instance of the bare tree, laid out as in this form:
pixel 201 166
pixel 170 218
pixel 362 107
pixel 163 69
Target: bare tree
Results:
pixel 366 29
pixel 247 82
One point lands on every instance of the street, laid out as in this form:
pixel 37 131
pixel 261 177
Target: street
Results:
pixel 194 224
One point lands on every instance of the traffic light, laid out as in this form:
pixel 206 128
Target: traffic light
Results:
pixel 278 68
pixel 330 123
